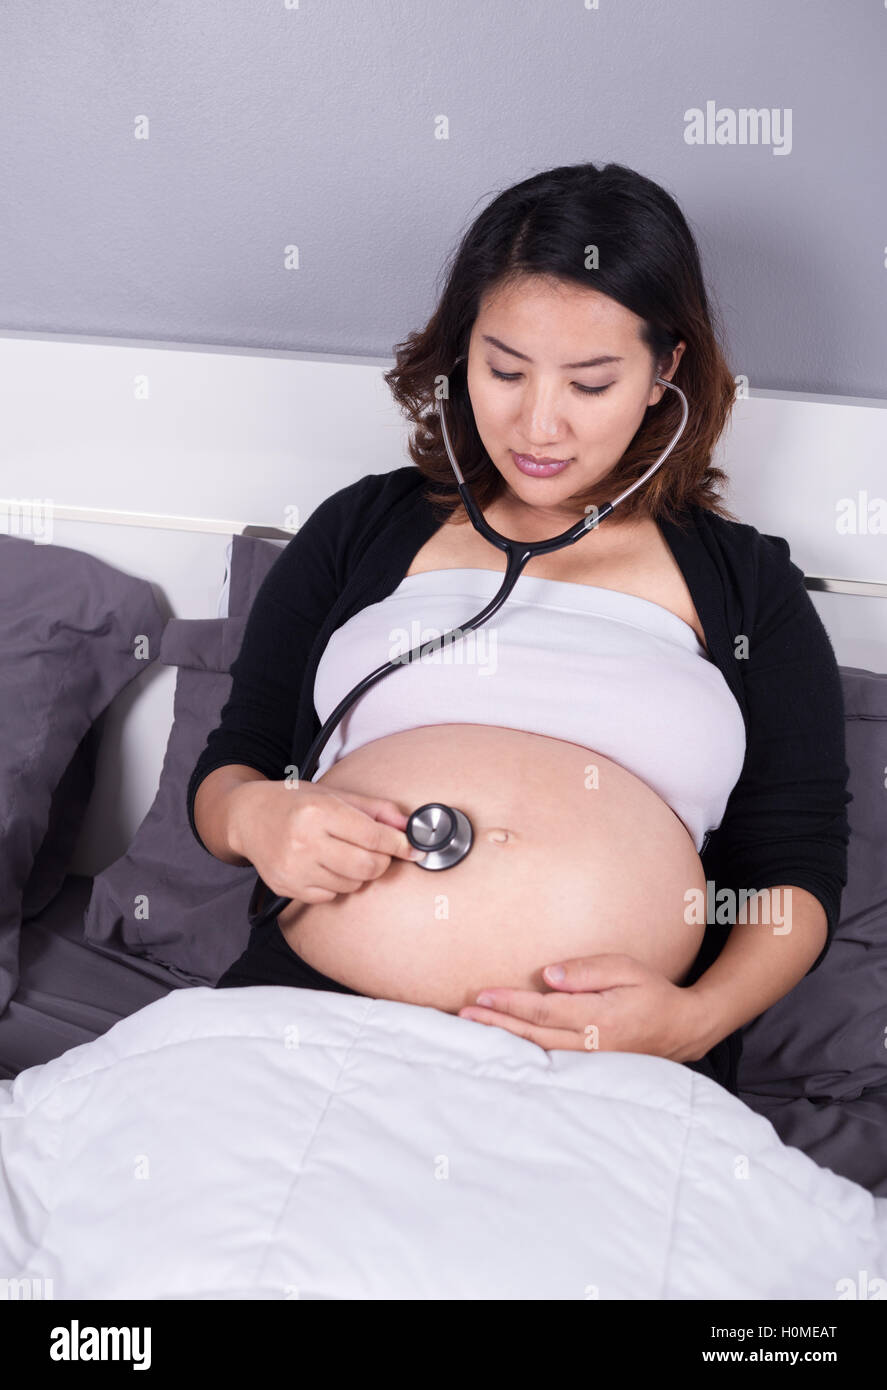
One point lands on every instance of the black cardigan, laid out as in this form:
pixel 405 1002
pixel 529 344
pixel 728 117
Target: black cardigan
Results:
pixel 785 821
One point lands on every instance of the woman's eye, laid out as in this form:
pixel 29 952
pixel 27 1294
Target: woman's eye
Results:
pixel 585 390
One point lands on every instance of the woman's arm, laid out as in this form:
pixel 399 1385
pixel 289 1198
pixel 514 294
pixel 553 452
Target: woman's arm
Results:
pixel 213 806
pixel 767 952
pixel 256 723
pixel 785 823
pixel 783 839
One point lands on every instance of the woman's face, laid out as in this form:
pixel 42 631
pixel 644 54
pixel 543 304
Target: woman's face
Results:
pixel 540 411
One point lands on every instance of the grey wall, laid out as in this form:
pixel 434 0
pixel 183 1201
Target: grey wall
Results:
pixel 275 123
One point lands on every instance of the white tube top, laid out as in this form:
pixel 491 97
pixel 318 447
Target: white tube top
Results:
pixel 615 673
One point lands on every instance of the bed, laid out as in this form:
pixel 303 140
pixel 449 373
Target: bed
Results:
pixel 160 1139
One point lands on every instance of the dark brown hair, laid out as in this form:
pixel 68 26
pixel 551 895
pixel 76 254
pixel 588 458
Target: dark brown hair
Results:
pixel 648 261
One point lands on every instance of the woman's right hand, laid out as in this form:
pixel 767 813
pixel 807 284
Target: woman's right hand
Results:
pixel 309 843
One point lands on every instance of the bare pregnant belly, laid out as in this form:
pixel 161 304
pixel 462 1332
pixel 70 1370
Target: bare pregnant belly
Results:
pixel 572 855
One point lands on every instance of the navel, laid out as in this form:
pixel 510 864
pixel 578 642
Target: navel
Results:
pixel 498 834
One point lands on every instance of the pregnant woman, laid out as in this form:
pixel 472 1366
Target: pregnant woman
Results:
pixel 647 738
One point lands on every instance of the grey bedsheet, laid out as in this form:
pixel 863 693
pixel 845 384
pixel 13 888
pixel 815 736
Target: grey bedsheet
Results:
pixel 70 991
pixel 849 1136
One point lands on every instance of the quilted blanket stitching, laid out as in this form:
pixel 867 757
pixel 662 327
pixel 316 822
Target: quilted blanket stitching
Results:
pixel 690 1119
pixel 333 1090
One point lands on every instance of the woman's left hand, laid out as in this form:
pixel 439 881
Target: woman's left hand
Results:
pixel 605 1003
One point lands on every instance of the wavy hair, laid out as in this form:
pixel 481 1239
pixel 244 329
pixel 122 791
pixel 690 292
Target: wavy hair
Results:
pixel 648 261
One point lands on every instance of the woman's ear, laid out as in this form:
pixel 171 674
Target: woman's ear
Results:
pixel 667 370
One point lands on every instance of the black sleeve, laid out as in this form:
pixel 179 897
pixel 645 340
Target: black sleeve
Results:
pixel 786 819
pixel 257 722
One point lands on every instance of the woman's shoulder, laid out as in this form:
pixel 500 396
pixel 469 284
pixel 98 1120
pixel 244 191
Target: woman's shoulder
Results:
pixel 757 559
pixel 361 504
pixel 347 522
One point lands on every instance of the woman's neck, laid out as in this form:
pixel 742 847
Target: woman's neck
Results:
pixel 519 521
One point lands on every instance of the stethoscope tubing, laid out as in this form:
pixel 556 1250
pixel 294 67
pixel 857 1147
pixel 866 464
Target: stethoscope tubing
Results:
pixel 518 554
pixel 515 564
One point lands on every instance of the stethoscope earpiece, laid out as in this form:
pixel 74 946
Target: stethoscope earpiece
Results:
pixel 443 832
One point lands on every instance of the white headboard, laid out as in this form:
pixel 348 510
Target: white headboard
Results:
pixel 198 442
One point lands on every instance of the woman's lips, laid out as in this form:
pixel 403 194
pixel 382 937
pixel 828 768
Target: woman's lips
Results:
pixel 533 468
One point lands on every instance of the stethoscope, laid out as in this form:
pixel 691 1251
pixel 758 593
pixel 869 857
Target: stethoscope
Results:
pixel 443 832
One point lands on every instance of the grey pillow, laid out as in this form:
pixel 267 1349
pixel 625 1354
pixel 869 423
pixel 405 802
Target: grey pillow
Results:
pixel 251 559
pixel 826 1037
pixel 73 632
pixel 166 899
pixel 69 804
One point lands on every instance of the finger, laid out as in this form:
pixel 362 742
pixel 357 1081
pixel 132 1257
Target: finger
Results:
pixel 380 808
pixel 350 861
pixel 356 827
pixel 585 1033
pixel 562 1039
pixel 587 974
pixel 325 877
pixel 549 1010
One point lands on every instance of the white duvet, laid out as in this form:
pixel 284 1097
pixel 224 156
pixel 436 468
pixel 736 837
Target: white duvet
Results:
pixel 272 1142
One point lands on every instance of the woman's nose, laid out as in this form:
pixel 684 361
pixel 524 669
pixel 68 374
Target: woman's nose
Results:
pixel 540 417
pixel 542 410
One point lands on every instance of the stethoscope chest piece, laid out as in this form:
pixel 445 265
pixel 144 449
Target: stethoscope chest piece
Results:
pixel 443 832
